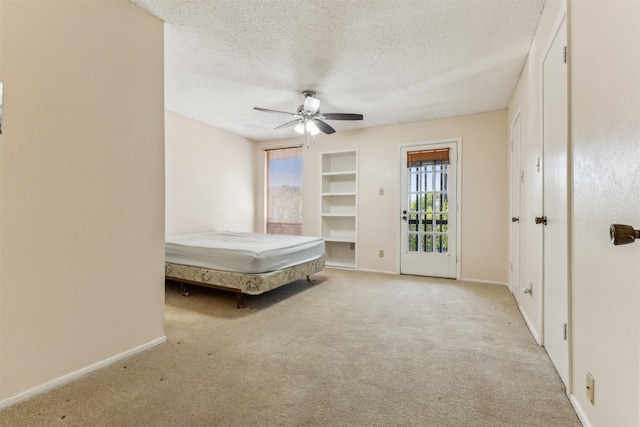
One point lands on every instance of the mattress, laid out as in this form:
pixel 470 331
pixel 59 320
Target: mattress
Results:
pixel 242 252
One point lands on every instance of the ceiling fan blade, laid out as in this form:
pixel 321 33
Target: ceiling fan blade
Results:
pixel 324 127
pixel 311 104
pixel 266 110
pixel 342 116
pixel 286 125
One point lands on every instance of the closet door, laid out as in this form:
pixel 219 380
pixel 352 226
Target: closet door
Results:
pixel 555 220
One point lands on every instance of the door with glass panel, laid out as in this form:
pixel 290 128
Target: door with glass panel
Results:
pixel 429 210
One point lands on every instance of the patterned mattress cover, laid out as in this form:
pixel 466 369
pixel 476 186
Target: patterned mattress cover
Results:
pixel 251 284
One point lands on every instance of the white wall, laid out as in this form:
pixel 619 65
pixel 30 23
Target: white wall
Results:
pixel 210 178
pixel 527 100
pixel 604 61
pixel 605 99
pixel 82 196
pixel 484 189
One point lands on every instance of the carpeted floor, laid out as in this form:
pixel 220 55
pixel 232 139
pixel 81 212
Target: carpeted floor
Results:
pixel 349 349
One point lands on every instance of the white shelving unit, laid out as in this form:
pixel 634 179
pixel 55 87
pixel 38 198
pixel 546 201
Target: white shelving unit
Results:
pixel 340 207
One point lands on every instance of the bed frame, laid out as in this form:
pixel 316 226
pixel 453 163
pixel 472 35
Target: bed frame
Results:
pixel 240 283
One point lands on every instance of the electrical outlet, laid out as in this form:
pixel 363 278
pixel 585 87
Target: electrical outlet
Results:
pixel 590 387
pixel 381 253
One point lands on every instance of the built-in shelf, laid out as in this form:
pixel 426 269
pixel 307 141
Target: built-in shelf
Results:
pixel 342 263
pixel 339 239
pixel 339 184
pixel 339 207
pixel 339 215
pixel 339 173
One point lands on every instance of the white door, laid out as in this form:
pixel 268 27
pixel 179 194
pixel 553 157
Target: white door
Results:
pixel 429 210
pixel 514 264
pixel 556 206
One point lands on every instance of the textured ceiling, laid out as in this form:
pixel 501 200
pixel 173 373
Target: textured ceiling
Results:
pixel 393 61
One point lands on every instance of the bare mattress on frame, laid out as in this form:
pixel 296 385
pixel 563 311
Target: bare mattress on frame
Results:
pixel 244 263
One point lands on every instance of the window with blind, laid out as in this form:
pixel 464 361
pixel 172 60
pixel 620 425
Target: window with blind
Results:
pixel 284 191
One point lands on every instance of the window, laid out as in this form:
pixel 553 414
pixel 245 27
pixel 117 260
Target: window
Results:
pixel 284 191
pixel 428 200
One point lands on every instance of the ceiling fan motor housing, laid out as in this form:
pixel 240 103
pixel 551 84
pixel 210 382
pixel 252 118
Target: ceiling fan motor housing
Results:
pixel 308 93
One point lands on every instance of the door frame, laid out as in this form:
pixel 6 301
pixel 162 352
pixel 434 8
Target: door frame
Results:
pixel 515 287
pixel 400 147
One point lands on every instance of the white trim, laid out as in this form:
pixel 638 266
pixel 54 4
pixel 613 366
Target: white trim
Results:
pixel 459 208
pixel 529 325
pixel 487 282
pixel 579 411
pixel 458 142
pixel 79 373
pixel 514 288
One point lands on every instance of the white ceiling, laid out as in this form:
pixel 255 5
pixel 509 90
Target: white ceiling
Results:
pixel 393 61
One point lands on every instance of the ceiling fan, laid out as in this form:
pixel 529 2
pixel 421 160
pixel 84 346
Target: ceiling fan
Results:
pixel 309 119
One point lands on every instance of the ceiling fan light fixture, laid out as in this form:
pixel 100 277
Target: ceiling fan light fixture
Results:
pixel 311 104
pixel 299 128
pixel 312 127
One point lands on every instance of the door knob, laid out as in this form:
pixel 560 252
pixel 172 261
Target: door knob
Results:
pixel 541 220
pixel 622 234
pixel 404 217
pixel 515 219
pixel 404 212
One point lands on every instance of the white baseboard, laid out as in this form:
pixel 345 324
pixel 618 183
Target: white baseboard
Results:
pixel 530 326
pixel 488 282
pixel 367 270
pixel 79 373
pixel 396 273
pixel 581 415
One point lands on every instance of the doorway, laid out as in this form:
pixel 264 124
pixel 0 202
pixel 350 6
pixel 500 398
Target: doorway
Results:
pixel 429 210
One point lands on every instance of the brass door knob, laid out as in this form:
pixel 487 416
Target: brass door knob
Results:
pixel 515 219
pixel 541 220
pixel 622 234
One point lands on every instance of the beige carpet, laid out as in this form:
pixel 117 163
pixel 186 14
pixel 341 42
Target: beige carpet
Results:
pixel 350 349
